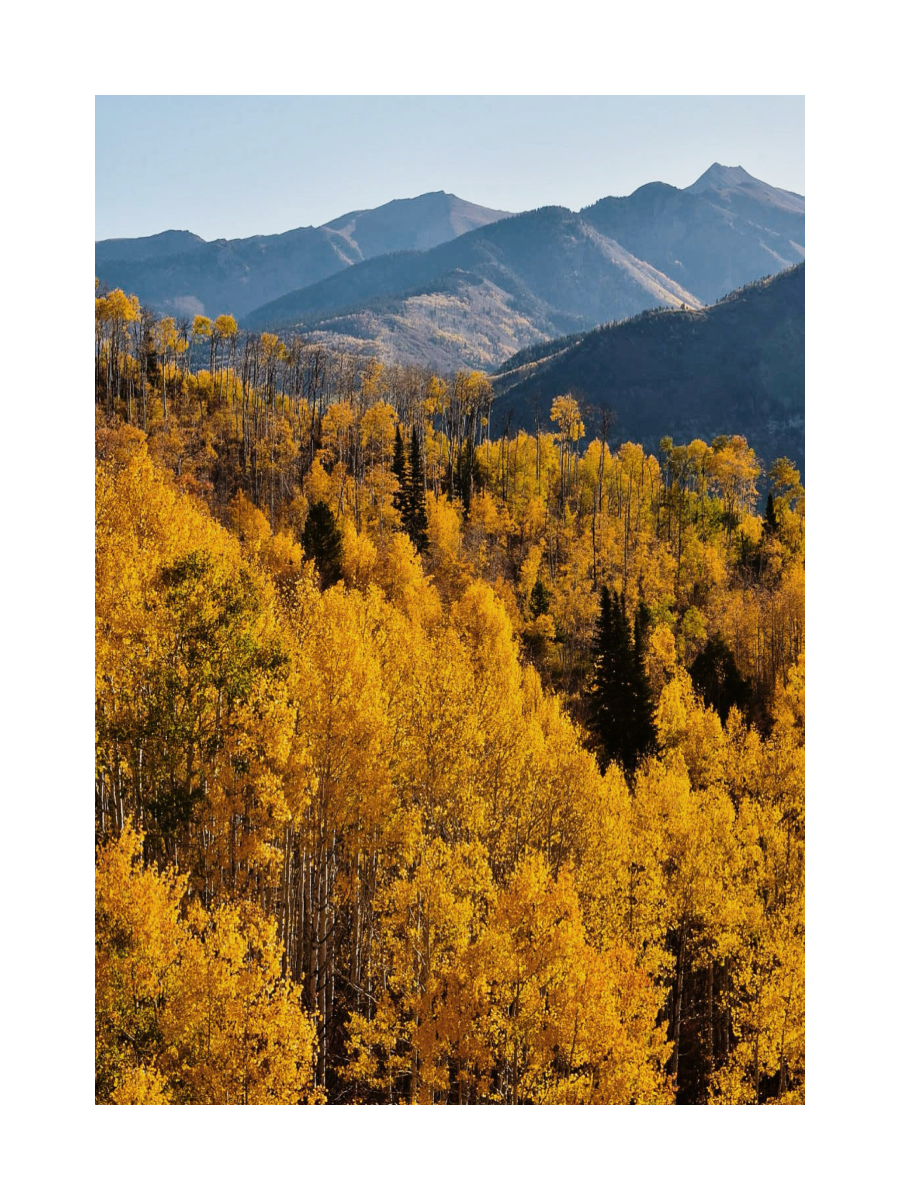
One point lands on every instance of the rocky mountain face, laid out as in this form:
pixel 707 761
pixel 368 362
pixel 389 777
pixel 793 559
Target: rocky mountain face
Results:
pixel 417 224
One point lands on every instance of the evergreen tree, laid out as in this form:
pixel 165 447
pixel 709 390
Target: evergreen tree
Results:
pixel 770 521
pixel 607 697
pixel 322 543
pixel 716 677
pixel 643 729
pixel 620 704
pixel 416 517
pixel 539 601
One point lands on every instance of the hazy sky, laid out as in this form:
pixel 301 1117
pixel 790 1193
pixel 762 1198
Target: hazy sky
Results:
pixel 231 166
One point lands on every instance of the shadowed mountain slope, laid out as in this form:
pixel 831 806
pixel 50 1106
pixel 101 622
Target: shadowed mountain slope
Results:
pixel 737 365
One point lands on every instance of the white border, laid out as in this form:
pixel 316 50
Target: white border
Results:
pixel 59 1139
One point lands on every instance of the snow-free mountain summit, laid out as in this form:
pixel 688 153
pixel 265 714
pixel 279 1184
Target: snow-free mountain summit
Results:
pixel 179 273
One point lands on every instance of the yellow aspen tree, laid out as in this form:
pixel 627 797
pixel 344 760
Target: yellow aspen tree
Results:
pixel 190 1009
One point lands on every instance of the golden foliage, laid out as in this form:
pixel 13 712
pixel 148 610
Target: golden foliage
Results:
pixel 191 1007
pixel 389 866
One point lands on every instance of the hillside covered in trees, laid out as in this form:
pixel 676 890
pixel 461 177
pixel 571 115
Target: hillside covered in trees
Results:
pixel 435 766
pixel 740 363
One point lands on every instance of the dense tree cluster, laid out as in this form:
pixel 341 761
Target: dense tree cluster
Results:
pixel 433 768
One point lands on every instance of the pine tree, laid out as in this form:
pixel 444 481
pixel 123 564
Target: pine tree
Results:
pixel 770 521
pixel 322 542
pixel 539 601
pixel 620 704
pixel 416 517
pixel 643 729
pixel 606 700
pixel 715 675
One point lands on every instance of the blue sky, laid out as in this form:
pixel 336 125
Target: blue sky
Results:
pixel 232 166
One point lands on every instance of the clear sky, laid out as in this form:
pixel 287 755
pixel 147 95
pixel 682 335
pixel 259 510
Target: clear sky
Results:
pixel 232 166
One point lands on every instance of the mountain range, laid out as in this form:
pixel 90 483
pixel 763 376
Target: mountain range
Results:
pixel 721 232
pixel 178 272
pixel 440 281
pixel 735 366
pixel 481 297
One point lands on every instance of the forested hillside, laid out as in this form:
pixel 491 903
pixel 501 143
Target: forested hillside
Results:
pixel 435 766
pixel 740 363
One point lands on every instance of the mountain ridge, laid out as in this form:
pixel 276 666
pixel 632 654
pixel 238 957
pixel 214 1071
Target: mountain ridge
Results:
pixel 183 273
pixel 545 272
pixel 736 363
pixel 401 281
pixel 724 230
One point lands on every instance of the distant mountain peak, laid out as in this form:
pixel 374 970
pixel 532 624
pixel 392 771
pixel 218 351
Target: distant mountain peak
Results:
pixel 170 241
pixel 719 176
pixel 412 223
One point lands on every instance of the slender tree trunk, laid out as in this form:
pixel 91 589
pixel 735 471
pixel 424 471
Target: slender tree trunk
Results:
pixel 679 985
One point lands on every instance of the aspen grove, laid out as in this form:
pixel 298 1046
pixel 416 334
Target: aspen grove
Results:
pixel 435 765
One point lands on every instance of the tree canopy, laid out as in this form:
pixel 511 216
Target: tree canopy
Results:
pixel 431 767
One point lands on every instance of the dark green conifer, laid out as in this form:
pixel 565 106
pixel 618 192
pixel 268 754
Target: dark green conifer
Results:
pixel 539 601
pixel 643 728
pixel 770 521
pixel 620 704
pixel 416 516
pixel 715 675
pixel 606 699
pixel 322 543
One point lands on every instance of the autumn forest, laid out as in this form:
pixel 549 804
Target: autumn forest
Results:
pixel 436 762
